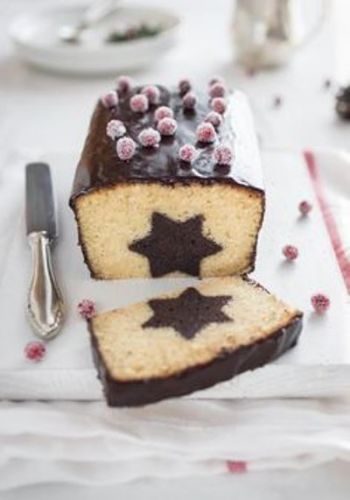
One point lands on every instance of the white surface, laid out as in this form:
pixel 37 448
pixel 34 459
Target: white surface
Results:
pixel 50 113
pixel 35 38
pixel 319 365
pixel 173 439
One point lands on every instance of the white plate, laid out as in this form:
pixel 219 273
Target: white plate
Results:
pixel 36 40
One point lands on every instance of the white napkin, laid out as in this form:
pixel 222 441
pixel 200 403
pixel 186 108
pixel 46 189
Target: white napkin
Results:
pixel 90 444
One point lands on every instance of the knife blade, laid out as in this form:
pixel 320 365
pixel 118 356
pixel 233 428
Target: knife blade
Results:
pixel 45 303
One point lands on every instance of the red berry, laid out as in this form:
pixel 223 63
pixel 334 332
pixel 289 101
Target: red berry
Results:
pixel 320 303
pixel 188 153
pixel 223 155
pixel 290 252
pixel 124 84
pixel 139 103
pixel 189 100
pixel 152 93
pixel 115 129
pixel 149 137
pixel 217 90
pixel 35 351
pixel 219 105
pixel 167 126
pixel 163 112
pixel 184 85
pixel 237 466
pixel 205 132
pixel 214 118
pixel 87 308
pixel 305 207
pixel 125 148
pixel 110 100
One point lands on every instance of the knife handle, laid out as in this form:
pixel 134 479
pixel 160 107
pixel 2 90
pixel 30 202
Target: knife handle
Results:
pixel 45 304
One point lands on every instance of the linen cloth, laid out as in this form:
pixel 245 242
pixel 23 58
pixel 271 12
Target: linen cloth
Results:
pixel 88 443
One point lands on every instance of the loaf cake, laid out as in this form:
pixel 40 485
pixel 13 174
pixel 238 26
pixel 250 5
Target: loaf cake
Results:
pixel 169 183
pixel 189 340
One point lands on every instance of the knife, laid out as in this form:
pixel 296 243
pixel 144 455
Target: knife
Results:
pixel 45 304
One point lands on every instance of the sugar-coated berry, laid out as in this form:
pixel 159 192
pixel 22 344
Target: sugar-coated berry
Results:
pixel 163 112
pixel 149 137
pixel 320 302
pixel 218 104
pixel 290 252
pixel 305 207
pixel 124 84
pixel 167 126
pixel 217 90
pixel 223 155
pixel 115 129
pixel 35 351
pixel 189 100
pixel 184 86
pixel 139 103
pixel 205 132
pixel 87 308
pixel 110 100
pixel 188 153
pixel 152 93
pixel 126 148
pixel 216 79
pixel 214 118
pixel 237 466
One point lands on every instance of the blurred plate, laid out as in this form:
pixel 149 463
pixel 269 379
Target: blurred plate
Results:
pixel 36 40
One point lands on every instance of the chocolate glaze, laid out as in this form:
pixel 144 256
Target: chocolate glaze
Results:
pixel 229 364
pixel 99 165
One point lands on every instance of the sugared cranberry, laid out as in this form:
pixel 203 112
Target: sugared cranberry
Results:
pixel 139 103
pixel 125 148
pixel 35 351
pixel 110 100
pixel 305 207
pixel 217 90
pixel 188 153
pixel 124 84
pixel 115 129
pixel 149 137
pixel 205 132
pixel 152 93
pixel 167 126
pixel 163 112
pixel 218 104
pixel 320 302
pixel 223 155
pixel 237 466
pixel 87 308
pixel 184 85
pixel 214 118
pixel 290 252
pixel 189 100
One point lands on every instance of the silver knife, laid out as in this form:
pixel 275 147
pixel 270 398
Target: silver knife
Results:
pixel 45 303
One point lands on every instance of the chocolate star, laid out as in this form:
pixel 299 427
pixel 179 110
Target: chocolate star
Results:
pixel 175 246
pixel 188 313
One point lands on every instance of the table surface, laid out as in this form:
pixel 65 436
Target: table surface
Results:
pixel 41 111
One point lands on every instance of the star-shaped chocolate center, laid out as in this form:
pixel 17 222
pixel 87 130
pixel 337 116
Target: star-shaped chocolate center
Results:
pixel 175 246
pixel 188 313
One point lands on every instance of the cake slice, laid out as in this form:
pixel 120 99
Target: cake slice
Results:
pixel 189 340
pixel 168 191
